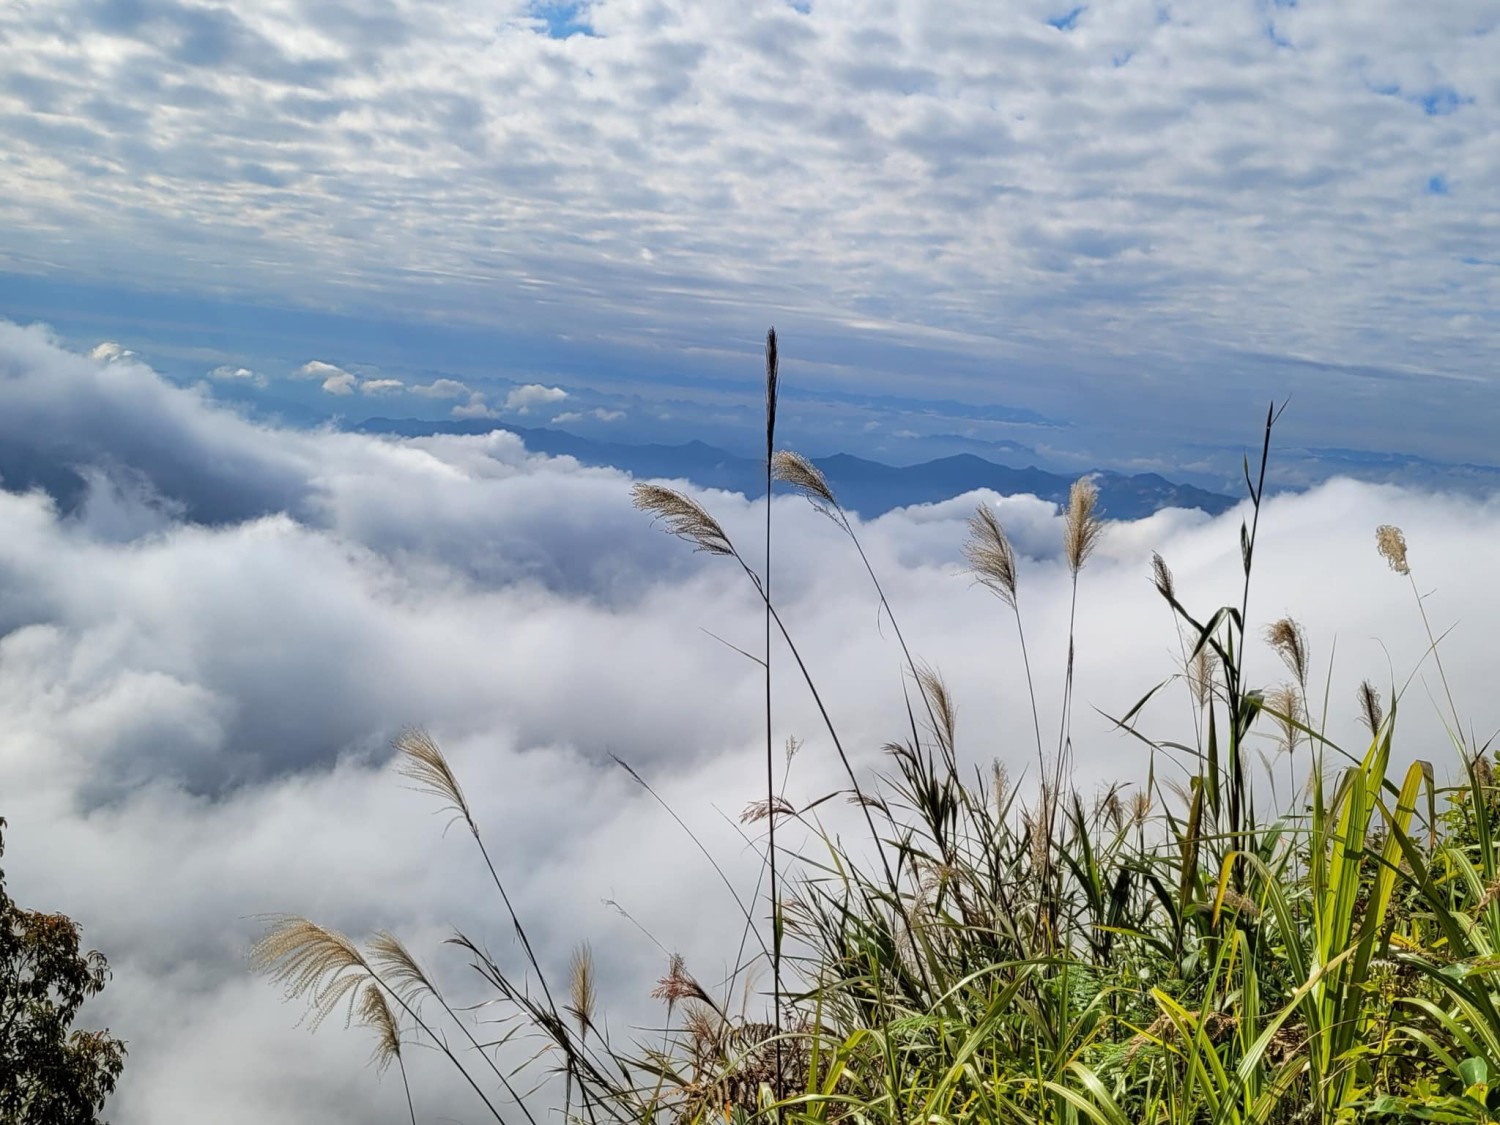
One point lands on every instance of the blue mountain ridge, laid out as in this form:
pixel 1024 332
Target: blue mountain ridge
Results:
pixel 867 487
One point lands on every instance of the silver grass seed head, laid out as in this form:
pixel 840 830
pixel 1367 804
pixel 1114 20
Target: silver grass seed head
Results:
pixel 1161 576
pixel 990 555
pixel 796 470
pixel 678 984
pixel 1082 527
pixel 310 961
pixel 1205 664
pixel 583 991
pixel 944 711
pixel 1289 640
pixel 683 516
pixel 1371 713
pixel 763 809
pixel 1392 547
pixel 424 764
pixel 1286 701
pixel 398 967
pixel 373 1011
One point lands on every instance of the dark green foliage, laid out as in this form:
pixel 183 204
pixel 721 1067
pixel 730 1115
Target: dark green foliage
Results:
pixel 49 1075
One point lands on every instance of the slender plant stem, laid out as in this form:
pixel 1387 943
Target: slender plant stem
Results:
pixel 406 1085
pixel 772 380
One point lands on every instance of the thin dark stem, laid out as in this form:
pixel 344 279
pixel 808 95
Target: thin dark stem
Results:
pixel 515 921
pixel 723 878
pixel 442 1046
pixel 772 380
pixel 406 1085
pixel 807 678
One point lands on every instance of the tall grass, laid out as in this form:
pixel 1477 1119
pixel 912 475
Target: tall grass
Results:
pixel 1161 952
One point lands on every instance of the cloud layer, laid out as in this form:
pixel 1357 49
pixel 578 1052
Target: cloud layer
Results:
pixel 208 643
pixel 1305 181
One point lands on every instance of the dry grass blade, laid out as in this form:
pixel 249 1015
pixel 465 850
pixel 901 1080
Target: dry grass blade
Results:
pixel 990 555
pixel 685 518
pixel 1392 547
pixel 424 764
pixel 320 964
pixel 1371 714
pixel 375 1013
pixel 796 470
pixel 1289 640
pixel 584 994
pixel 401 970
pixel 1082 528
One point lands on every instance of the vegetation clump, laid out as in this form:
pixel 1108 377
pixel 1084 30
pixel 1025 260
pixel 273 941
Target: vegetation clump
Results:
pixel 1166 952
pixel 50 1074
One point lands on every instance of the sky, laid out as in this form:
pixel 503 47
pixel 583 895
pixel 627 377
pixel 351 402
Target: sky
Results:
pixel 1106 235
pixel 1131 223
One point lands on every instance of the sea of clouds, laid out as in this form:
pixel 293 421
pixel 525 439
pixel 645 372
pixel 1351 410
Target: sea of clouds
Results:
pixel 211 630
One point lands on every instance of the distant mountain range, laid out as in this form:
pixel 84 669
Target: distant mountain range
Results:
pixel 867 487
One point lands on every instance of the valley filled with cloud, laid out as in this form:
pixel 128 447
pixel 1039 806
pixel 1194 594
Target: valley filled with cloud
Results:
pixel 212 629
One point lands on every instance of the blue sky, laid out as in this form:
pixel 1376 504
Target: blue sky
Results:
pixel 1134 222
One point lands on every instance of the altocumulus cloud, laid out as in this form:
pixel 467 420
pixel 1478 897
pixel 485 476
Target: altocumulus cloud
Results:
pixel 1302 180
pixel 210 630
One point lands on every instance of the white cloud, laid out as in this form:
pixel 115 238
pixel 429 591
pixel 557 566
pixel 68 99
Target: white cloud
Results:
pixel 208 640
pixel 109 351
pixel 476 407
pixel 229 373
pixel 599 414
pixel 522 399
pixel 381 386
pixel 341 383
pixel 440 388
pixel 318 369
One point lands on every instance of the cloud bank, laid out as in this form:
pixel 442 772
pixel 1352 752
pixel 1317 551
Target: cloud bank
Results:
pixel 210 630
pixel 1302 181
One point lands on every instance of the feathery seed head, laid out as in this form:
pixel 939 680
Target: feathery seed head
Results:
pixel 310 961
pixel 1205 664
pixel 424 764
pixel 1161 575
pixel 584 994
pixel 1392 547
pixel 399 967
pixel 943 710
pixel 1082 527
pixel 1371 714
pixel 990 556
pixel 1289 640
pixel 1286 701
pixel 684 517
pixel 999 781
pixel 773 383
pixel 678 984
pixel 375 1013
pixel 797 471
pixel 757 811
pixel 1140 807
